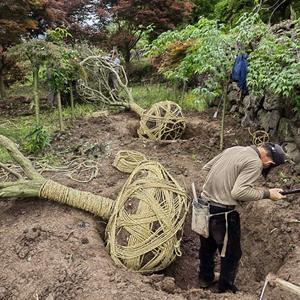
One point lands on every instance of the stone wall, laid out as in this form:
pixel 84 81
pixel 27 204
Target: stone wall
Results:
pixel 273 114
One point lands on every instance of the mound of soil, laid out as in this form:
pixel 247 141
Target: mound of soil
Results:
pixel 51 251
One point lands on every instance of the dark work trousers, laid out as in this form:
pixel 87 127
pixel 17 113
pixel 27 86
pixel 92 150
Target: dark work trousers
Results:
pixel 229 263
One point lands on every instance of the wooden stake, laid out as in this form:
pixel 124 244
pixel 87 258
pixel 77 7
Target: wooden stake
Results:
pixel 285 285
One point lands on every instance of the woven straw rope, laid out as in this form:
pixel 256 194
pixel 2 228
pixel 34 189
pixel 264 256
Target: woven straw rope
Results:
pixel 127 160
pixel 98 205
pixel 152 230
pixel 163 121
pixel 259 137
pixel 152 239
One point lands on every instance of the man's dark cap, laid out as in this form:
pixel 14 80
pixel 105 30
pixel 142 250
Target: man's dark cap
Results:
pixel 277 153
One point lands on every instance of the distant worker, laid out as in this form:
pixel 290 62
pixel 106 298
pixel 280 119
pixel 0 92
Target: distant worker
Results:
pixel 113 76
pixel 230 180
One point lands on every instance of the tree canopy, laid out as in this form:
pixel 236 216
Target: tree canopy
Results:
pixel 229 11
pixel 133 17
pixel 207 49
pixel 26 18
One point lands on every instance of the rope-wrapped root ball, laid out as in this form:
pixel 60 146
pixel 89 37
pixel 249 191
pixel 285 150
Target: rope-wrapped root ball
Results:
pixel 145 228
pixel 163 121
pixel 144 223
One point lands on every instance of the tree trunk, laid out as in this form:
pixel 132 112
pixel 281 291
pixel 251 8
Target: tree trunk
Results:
pixel 127 55
pixel 61 124
pixel 35 74
pixel 136 108
pixel 225 97
pixel 2 86
pixel 38 186
pixel 72 102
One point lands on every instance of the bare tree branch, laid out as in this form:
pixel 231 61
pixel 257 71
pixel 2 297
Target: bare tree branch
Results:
pixel 17 175
pixel 24 162
pixel 95 85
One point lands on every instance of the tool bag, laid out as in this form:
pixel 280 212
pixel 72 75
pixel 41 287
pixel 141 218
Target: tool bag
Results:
pixel 200 221
pixel 200 217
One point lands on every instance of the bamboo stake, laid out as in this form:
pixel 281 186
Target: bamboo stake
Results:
pixel 36 94
pixel 59 106
pixel 72 102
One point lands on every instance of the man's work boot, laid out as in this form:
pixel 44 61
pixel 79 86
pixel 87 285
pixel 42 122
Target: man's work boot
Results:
pixel 225 287
pixel 205 283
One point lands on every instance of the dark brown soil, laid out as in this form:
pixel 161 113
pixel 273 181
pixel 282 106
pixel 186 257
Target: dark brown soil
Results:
pixel 50 251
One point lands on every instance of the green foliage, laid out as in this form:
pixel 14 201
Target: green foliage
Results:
pixel 229 11
pixel 63 68
pixel 210 56
pixel 61 60
pixel 192 101
pixel 36 51
pixel 4 156
pixel 249 31
pixel 275 67
pixel 36 140
pixel 57 35
pixel 149 94
pixel 203 8
pixel 20 128
pixel 273 60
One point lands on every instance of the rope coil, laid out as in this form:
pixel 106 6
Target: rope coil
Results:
pixel 259 137
pixel 126 161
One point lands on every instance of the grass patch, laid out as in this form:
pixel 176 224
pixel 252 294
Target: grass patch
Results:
pixel 4 156
pixel 191 101
pixel 146 95
pixel 17 129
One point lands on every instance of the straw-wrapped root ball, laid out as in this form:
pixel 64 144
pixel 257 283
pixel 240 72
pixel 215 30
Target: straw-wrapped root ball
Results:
pixel 145 228
pixel 163 121
pixel 145 222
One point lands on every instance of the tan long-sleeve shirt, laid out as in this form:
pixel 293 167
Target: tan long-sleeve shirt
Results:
pixel 231 176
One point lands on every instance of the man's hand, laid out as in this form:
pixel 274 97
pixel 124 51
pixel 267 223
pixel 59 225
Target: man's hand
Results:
pixel 276 195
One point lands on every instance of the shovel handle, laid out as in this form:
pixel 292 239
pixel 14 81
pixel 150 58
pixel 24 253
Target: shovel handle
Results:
pixel 194 191
pixel 288 192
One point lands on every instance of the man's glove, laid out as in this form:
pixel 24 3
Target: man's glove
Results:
pixel 276 195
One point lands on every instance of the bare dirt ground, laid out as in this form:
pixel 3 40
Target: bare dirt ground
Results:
pixel 51 251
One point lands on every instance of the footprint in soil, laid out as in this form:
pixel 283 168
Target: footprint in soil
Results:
pixel 68 284
pixel 27 241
